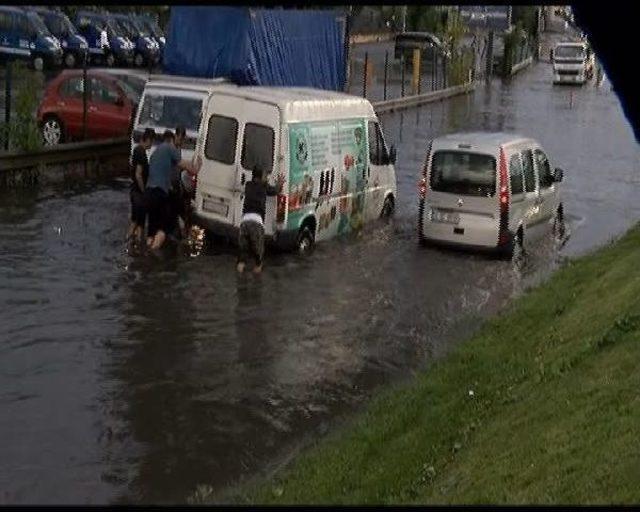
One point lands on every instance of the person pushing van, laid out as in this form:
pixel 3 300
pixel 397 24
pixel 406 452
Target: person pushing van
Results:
pixel 139 176
pixel 161 165
pixel 251 237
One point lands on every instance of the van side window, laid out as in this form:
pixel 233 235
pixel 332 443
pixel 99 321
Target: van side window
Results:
pixel 515 171
pixel 5 21
pixel 545 177
pixel 257 148
pixel 529 173
pixel 222 135
pixel 377 151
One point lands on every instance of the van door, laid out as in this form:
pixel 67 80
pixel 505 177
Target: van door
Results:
pixel 518 207
pixel 546 185
pixel 259 143
pixel 377 171
pixel 532 192
pixel 217 177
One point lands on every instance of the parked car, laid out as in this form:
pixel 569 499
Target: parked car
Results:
pixel 150 25
pixel 74 46
pixel 488 191
pixel 329 146
pixel 147 50
pixel 134 78
pixel 23 35
pixel 111 104
pixel 107 43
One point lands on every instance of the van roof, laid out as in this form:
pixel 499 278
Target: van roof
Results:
pixel 184 82
pixel 480 139
pixel 9 8
pixel 305 103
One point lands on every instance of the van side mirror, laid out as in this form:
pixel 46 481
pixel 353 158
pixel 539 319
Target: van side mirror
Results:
pixel 392 155
pixel 558 175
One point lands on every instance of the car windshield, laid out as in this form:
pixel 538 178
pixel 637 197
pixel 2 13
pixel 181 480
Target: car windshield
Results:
pixel 37 23
pixel 463 173
pixel 162 111
pixel 569 52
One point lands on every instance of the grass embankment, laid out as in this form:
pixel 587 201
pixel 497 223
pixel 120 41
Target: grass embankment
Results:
pixel 541 406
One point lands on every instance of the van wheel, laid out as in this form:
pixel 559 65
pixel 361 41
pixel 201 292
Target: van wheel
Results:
pixel 387 208
pixel 70 60
pixel 52 131
pixel 138 60
pixel 518 252
pixel 305 241
pixel 38 63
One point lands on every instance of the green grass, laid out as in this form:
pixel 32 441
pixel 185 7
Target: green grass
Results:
pixel 554 416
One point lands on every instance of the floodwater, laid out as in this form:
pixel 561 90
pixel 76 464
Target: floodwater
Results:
pixel 137 378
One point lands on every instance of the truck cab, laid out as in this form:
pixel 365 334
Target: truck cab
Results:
pixel 573 63
pixel 24 35
pixel 74 46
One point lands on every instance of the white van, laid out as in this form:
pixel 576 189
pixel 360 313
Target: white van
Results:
pixel 328 145
pixel 573 62
pixel 168 101
pixel 488 191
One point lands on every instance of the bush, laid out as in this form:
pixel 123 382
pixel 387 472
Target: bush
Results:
pixel 23 131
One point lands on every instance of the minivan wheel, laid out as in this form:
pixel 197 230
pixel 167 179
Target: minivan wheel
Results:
pixel 38 63
pixel 70 60
pixel 305 241
pixel 52 131
pixel 138 60
pixel 387 208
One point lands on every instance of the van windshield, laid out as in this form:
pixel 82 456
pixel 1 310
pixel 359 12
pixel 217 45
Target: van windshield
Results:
pixel 569 52
pixel 162 111
pixel 459 172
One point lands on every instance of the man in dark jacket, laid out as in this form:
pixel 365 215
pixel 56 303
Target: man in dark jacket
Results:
pixel 139 176
pixel 251 238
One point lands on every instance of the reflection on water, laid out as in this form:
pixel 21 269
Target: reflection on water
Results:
pixel 136 378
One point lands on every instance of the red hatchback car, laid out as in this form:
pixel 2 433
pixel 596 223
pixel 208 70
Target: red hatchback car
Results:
pixel 111 107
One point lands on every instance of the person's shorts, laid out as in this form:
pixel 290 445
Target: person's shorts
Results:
pixel 138 207
pixel 158 209
pixel 251 242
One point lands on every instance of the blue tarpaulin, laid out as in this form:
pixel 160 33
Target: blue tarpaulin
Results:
pixel 276 47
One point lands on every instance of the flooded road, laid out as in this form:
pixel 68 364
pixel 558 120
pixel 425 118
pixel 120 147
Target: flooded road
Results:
pixel 137 379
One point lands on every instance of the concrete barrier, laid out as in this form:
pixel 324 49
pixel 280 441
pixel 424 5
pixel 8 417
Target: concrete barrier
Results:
pixel 420 99
pixel 521 65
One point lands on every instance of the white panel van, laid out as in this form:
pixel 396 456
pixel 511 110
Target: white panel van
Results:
pixel 488 191
pixel 329 146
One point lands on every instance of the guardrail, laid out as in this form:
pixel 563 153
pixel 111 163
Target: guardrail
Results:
pixel 420 99
pixel 70 152
pixel 521 65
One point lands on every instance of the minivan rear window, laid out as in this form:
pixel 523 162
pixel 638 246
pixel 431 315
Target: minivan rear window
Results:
pixel 460 172
pixel 165 111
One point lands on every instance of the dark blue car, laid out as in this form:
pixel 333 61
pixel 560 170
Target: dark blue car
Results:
pixel 23 35
pixel 74 46
pixel 107 43
pixel 147 50
pixel 151 26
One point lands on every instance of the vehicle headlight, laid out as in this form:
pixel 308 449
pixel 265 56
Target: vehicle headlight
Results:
pixel 163 40
pixel 32 46
pixel 64 44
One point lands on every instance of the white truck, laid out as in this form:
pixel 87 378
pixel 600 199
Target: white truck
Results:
pixel 573 63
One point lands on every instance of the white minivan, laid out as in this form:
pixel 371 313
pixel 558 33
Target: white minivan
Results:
pixel 168 101
pixel 488 191
pixel 329 146
pixel 573 63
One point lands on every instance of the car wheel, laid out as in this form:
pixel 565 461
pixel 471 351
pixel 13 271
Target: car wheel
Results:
pixel 305 241
pixel 38 63
pixel 387 208
pixel 52 131
pixel 518 252
pixel 138 60
pixel 110 60
pixel 70 60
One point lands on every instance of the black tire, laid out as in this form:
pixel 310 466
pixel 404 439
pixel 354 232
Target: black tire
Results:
pixel 52 131
pixel 38 63
pixel 305 240
pixel 69 60
pixel 388 208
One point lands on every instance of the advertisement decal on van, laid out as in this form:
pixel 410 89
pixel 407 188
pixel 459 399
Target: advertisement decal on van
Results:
pixel 327 178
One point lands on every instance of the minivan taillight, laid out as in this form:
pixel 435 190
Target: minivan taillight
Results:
pixel 503 236
pixel 422 188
